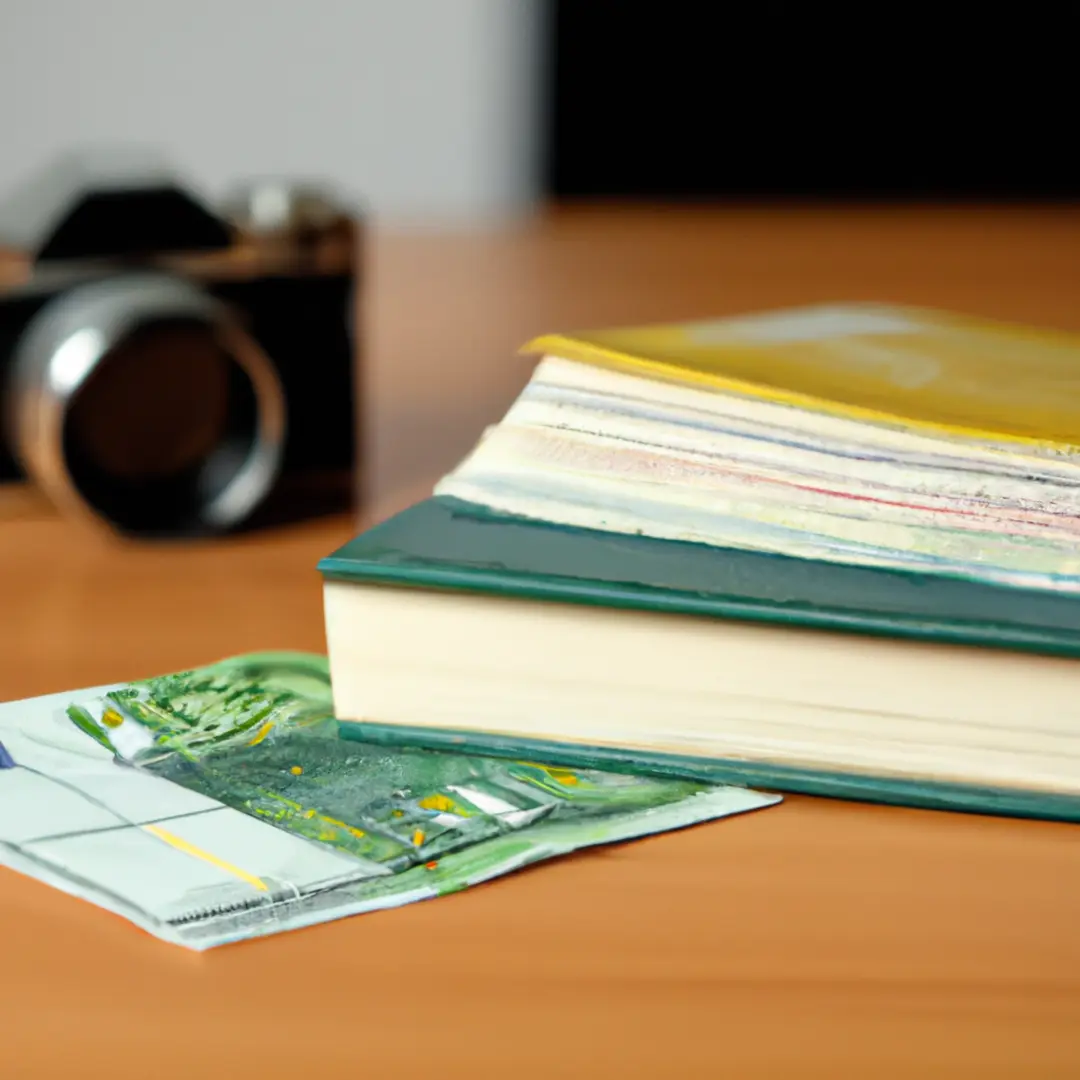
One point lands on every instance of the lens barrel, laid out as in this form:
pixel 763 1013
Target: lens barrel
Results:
pixel 139 400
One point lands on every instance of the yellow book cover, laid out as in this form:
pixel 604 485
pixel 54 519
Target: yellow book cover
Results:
pixel 894 365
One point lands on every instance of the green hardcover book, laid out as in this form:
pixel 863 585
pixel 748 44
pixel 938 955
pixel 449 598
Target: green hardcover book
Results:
pixel 452 625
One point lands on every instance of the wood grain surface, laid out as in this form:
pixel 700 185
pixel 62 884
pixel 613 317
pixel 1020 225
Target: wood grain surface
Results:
pixel 815 939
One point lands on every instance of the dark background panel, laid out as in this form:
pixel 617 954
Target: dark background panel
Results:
pixel 703 101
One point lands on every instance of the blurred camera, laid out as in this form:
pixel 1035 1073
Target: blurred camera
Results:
pixel 170 370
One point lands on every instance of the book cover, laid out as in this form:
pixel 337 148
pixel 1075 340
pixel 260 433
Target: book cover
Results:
pixel 915 368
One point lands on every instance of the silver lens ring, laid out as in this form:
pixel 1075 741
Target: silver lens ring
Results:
pixel 73 335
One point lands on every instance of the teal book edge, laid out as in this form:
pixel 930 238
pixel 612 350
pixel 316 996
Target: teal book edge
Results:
pixel 445 544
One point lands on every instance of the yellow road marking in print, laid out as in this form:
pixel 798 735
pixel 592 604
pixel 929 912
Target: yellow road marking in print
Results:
pixel 196 852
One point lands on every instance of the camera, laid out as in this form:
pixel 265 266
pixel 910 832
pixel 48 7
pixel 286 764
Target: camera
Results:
pixel 169 369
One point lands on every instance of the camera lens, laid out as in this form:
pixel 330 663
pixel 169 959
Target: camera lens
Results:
pixel 155 407
pixel 139 399
pixel 161 423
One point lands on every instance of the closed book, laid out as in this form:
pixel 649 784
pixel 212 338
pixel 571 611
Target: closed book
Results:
pixel 452 625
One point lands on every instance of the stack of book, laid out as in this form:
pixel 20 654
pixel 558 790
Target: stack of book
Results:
pixel 832 550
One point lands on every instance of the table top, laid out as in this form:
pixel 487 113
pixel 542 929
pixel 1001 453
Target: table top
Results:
pixel 822 937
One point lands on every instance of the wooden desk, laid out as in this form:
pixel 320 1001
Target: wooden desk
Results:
pixel 816 939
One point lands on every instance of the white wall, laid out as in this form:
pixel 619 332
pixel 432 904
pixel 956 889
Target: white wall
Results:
pixel 419 108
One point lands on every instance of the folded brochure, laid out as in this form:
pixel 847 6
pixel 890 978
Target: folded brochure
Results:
pixel 227 803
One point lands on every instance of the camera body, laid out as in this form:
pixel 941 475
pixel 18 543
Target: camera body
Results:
pixel 169 370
